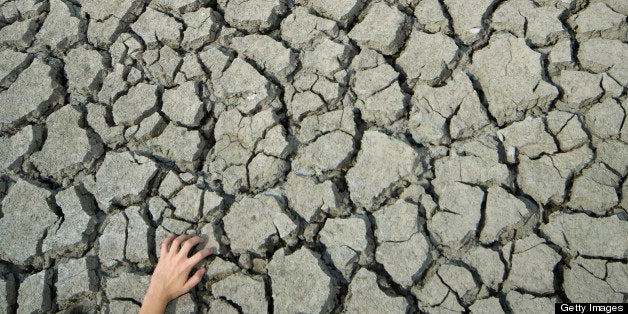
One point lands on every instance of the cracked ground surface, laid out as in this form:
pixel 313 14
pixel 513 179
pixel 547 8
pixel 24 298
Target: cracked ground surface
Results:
pixel 341 156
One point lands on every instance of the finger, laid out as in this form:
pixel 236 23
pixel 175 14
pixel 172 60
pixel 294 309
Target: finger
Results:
pixel 195 279
pixel 165 244
pixel 199 256
pixel 176 244
pixel 189 244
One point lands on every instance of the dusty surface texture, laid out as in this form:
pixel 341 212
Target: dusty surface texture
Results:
pixel 339 155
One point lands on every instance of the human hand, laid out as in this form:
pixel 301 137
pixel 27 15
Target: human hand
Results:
pixel 171 276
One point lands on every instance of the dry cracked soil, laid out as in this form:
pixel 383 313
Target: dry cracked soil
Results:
pixel 340 155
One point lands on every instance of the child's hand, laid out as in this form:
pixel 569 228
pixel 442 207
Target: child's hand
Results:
pixel 171 277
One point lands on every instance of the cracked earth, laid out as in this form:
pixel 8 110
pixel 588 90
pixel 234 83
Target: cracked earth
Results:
pixel 339 155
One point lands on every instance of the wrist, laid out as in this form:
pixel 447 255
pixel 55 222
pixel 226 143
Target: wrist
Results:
pixel 155 298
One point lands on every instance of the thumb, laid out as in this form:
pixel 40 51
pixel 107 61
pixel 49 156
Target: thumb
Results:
pixel 195 279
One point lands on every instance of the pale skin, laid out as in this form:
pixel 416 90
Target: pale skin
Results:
pixel 171 278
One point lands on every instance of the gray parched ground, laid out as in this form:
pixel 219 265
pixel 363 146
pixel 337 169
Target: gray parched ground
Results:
pixel 341 155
